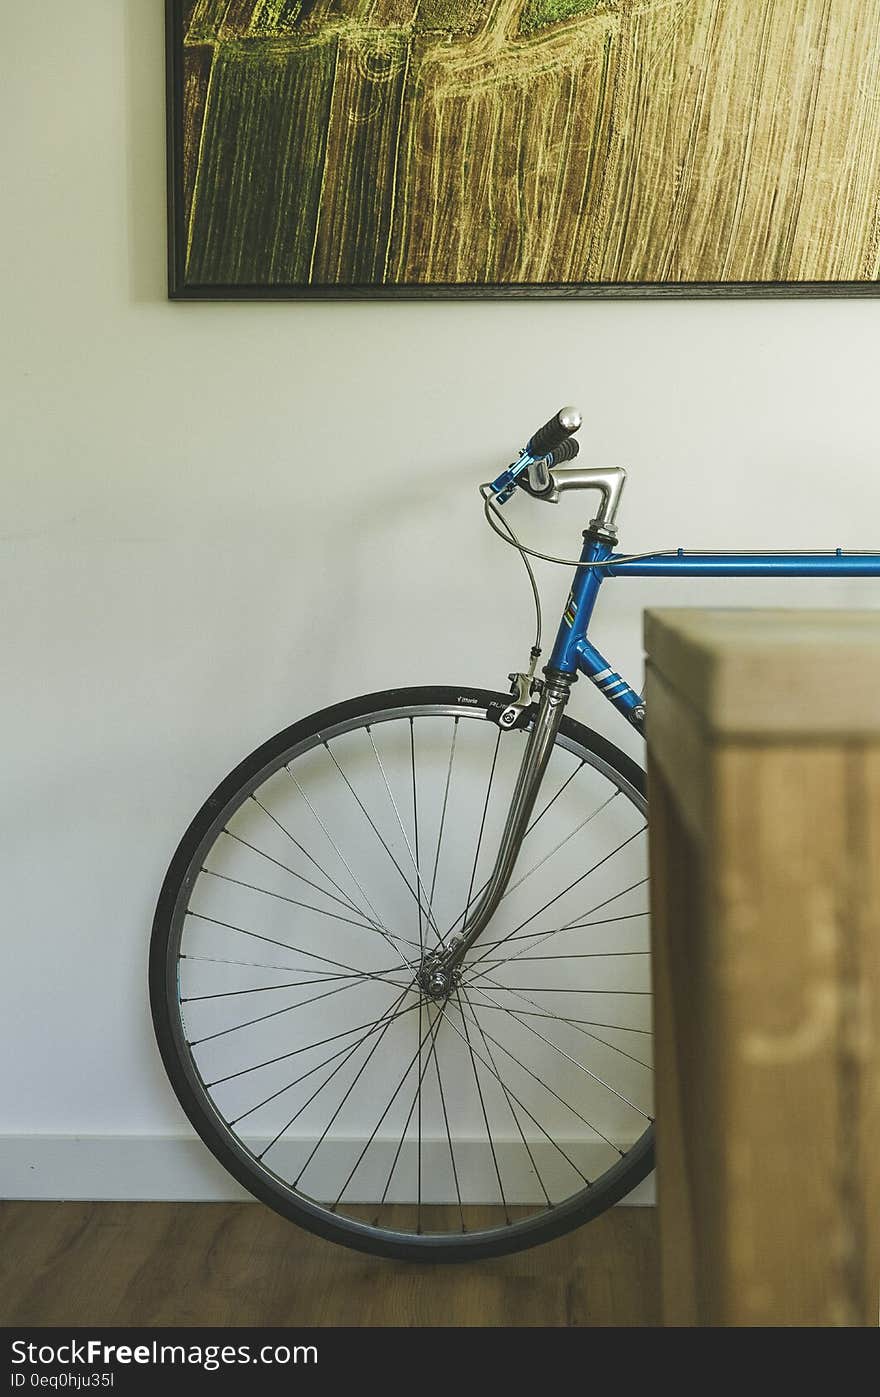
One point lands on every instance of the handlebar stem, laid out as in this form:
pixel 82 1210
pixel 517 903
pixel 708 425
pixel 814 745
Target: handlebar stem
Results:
pixel 608 480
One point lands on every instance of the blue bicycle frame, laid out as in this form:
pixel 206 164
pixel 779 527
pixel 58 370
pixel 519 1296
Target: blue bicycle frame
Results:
pixel 573 653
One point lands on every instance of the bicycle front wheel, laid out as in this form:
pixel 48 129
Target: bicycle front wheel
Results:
pixel 289 999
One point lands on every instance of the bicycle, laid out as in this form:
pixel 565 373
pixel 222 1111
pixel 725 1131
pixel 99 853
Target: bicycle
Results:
pixel 338 1026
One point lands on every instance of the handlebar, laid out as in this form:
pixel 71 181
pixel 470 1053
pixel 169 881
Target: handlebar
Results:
pixel 550 445
pixel 566 451
pixel 540 472
pixel 554 433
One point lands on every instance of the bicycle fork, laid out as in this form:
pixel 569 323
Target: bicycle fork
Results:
pixel 439 969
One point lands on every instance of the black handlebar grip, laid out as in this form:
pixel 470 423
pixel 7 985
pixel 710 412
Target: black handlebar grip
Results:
pixel 555 432
pixel 566 452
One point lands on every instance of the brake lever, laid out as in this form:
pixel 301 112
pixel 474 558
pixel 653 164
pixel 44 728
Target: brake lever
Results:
pixel 503 486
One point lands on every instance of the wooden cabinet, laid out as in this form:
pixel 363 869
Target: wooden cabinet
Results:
pixel 764 787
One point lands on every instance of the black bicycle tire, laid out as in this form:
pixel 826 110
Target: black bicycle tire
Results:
pixel 609 1189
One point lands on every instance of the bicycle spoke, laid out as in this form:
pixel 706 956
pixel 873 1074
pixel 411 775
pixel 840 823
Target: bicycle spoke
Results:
pixel 568 889
pixel 483 1109
pixel 563 955
pixel 262 989
pixel 415 802
pixel 432 921
pixel 307 906
pixel 515 1014
pixel 380 926
pixel 507 1097
pixel 259 964
pixel 273 941
pixel 370 1029
pixel 448 1132
pixel 552 801
pixel 607 921
pixel 577 881
pixel 313 955
pixel 567 989
pixel 386 1025
pixel 417 1098
pixel 255 848
pixel 419 1092
pixel 443 815
pixel 373 826
pixel 555 1094
pixel 470 891
pixel 346 1051
pixel 519 1103
pixel 538 936
pixel 512 887
pixel 303 850
pixel 588 1023
pixel 375 1128
pixel 572 925
pixel 580 1024
pixel 262 1018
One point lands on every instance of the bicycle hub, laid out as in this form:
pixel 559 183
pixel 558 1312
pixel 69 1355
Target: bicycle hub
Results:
pixel 435 976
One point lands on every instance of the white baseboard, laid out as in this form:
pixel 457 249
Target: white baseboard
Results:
pixel 132 1168
pixel 109 1167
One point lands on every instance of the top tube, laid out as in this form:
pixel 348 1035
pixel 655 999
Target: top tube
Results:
pixel 685 563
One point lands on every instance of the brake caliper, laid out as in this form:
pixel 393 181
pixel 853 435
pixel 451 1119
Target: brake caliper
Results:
pixel 523 689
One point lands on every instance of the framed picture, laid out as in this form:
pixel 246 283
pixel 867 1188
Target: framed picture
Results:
pixel 523 147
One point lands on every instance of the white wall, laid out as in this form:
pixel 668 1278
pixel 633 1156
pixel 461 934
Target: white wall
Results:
pixel 193 492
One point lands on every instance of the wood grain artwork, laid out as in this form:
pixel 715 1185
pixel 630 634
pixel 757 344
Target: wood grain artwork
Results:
pixel 425 147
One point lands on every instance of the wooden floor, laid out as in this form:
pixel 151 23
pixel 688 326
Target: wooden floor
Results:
pixel 240 1264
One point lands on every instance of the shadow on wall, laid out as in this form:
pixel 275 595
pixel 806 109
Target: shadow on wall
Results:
pixel 143 68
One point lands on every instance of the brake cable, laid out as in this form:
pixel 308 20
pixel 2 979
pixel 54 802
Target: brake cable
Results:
pixel 506 533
